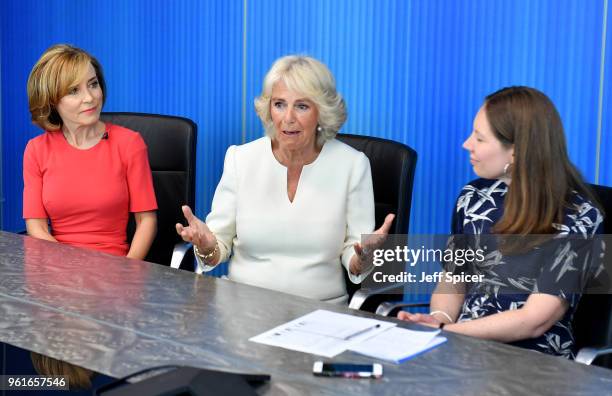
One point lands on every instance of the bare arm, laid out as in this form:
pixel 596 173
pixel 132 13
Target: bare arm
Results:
pixel 447 299
pixel 39 228
pixel 447 303
pixel 146 228
pixel 540 313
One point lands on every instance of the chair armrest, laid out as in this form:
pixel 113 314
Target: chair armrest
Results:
pixel 587 355
pixel 387 308
pixel 360 296
pixel 178 254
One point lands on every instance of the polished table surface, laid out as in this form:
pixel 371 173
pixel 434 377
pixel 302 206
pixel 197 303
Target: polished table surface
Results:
pixel 116 316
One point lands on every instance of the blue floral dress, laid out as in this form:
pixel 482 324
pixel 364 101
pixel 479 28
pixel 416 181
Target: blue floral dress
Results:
pixel 479 206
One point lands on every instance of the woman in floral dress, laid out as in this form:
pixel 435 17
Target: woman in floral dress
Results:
pixel 527 186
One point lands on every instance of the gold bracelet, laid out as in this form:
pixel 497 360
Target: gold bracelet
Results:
pixel 208 256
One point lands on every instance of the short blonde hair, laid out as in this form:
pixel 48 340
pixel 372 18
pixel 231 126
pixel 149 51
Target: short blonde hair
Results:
pixel 58 70
pixel 310 78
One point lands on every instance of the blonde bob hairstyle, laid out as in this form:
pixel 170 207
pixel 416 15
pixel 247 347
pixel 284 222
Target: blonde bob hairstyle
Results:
pixel 59 69
pixel 311 78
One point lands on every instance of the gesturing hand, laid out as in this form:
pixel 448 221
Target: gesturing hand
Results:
pixel 376 239
pixel 372 241
pixel 196 232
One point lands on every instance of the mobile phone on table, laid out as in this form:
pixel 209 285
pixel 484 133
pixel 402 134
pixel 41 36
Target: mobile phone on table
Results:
pixel 347 370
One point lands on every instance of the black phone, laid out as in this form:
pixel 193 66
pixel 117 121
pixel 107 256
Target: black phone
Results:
pixel 347 370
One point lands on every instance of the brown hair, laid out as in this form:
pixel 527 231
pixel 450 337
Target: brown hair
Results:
pixel 78 377
pixel 59 69
pixel 542 174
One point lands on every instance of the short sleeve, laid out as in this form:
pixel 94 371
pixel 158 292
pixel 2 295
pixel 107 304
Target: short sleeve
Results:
pixel 139 178
pixel 222 217
pixel 574 262
pixel 33 207
pixel 566 270
pixel 360 213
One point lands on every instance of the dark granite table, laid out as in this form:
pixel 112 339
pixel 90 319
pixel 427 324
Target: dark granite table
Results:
pixel 117 316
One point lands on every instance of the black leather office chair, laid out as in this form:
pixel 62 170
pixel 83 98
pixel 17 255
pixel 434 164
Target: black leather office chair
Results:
pixel 393 165
pixel 592 323
pixel 172 154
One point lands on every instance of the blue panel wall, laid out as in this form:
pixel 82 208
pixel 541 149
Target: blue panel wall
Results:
pixel 605 159
pixel 416 72
pixel 538 43
pixel 184 59
pixel 412 71
pixel 1 150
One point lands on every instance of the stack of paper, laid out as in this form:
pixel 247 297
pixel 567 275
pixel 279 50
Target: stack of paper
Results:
pixel 322 333
pixel 397 344
pixel 328 333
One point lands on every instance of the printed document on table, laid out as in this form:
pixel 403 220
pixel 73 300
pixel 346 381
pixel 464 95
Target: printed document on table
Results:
pixel 399 344
pixel 322 332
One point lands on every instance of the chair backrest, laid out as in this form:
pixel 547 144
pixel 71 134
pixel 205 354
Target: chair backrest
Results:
pixel 604 196
pixel 592 321
pixel 393 165
pixel 171 142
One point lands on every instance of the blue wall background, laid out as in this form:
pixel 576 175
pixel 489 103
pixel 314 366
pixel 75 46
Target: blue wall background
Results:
pixel 605 170
pixel 412 71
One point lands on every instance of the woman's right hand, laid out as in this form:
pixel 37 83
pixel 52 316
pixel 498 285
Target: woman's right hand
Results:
pixel 196 232
pixel 39 228
pixel 424 319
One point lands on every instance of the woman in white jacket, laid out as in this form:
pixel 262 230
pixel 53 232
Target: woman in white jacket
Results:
pixel 291 207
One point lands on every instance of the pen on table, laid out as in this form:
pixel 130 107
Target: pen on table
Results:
pixel 360 332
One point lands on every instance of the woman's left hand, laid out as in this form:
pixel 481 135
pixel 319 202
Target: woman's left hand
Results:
pixel 373 241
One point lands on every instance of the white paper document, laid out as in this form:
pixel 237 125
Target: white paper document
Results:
pixel 323 333
pixel 398 344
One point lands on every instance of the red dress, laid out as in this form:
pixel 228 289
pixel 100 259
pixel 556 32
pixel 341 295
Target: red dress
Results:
pixel 88 194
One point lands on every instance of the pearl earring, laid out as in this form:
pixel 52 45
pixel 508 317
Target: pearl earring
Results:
pixel 319 128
